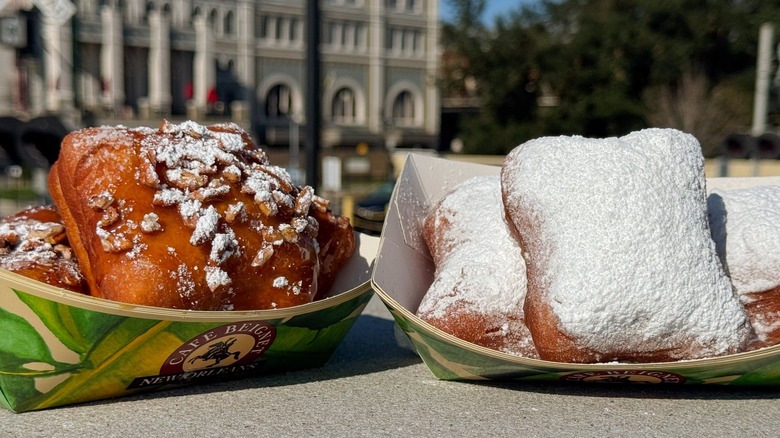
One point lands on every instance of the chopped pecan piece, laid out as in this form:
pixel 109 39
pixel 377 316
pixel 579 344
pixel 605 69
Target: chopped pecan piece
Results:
pixel 101 201
pixel 49 232
pixel 263 255
pixel 110 216
pixel 150 223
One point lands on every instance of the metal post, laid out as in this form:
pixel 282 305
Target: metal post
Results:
pixel 295 164
pixel 761 100
pixel 313 82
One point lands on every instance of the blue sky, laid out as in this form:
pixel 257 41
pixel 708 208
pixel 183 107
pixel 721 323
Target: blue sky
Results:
pixel 492 9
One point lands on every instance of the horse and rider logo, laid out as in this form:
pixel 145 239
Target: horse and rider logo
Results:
pixel 625 376
pixel 230 344
pixel 224 350
pixel 217 352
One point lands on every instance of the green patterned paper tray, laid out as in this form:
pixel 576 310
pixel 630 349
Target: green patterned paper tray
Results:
pixel 59 347
pixel 404 271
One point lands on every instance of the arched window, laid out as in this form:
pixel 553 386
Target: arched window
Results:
pixel 293 31
pixel 403 109
pixel 343 106
pixel 228 23
pixel 213 19
pixel 150 6
pixel 278 102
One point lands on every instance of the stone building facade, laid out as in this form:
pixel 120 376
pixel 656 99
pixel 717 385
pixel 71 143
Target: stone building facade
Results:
pixel 242 60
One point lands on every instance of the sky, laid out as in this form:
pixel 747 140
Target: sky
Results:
pixel 492 9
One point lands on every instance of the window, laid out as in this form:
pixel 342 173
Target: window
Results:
pixel 213 19
pixel 352 3
pixel 403 109
pixel 361 37
pixel 150 6
pixel 343 106
pixel 407 46
pixel 228 23
pixel 263 28
pixel 281 29
pixel 419 43
pixel 349 36
pixel 406 41
pixel 413 6
pixel 346 36
pixel 293 31
pixel 395 40
pixel 336 35
pixel 278 102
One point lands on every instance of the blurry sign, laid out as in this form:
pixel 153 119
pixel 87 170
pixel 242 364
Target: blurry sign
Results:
pixel 58 10
pixel 331 173
pixel 357 165
pixel 14 171
pixel 13 31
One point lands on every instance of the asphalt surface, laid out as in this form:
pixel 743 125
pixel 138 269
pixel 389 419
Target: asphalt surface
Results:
pixel 374 387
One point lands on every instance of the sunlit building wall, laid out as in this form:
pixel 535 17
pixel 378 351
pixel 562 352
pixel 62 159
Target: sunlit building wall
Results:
pixel 241 60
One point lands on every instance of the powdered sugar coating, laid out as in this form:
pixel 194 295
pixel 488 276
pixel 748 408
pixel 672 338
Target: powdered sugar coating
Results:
pixel 487 270
pixel 479 268
pixel 745 226
pixel 620 234
pixel 206 226
pixel 216 277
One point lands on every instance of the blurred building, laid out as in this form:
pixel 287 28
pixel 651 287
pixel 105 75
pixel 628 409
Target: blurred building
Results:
pixel 241 60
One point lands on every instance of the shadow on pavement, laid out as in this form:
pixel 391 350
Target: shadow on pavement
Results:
pixel 642 391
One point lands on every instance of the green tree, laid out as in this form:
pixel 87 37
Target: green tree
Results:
pixel 500 65
pixel 603 67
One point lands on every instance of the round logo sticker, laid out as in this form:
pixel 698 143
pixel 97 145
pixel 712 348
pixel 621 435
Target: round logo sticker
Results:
pixel 625 376
pixel 231 344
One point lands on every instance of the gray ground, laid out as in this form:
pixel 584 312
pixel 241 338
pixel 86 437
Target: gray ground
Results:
pixel 373 387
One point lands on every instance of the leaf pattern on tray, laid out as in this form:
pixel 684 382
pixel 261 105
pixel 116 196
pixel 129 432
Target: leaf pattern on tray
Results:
pixel 104 352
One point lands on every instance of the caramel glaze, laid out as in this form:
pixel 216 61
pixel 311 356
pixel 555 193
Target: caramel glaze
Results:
pixel 193 217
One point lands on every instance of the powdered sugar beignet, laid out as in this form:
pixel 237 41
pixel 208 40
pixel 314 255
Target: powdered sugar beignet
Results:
pixel 479 286
pixel 745 226
pixel 621 265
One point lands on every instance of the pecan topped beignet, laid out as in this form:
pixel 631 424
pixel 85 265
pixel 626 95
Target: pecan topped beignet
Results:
pixel 192 217
pixel 33 243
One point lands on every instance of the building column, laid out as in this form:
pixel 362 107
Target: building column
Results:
pixel 112 59
pixel 58 65
pixel 246 52
pixel 159 63
pixel 432 103
pixel 204 70
pixel 7 78
pixel 376 68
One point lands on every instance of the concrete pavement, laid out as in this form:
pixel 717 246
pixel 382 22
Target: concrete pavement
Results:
pixel 373 387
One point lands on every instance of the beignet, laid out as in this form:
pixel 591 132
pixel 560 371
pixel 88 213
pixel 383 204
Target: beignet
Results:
pixel 193 217
pixel 33 243
pixel 745 225
pixel 479 285
pixel 620 262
